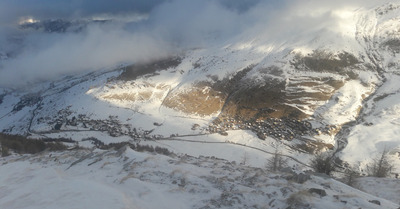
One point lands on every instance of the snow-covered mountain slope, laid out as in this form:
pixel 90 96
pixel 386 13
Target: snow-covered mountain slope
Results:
pixel 330 86
pixel 126 178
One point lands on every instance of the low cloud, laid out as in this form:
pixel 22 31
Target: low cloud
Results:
pixel 95 48
pixel 146 29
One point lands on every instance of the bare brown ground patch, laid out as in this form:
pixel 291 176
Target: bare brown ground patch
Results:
pixel 238 97
pixel 200 100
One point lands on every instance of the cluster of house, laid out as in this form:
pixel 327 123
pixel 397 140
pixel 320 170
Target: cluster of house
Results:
pixel 278 128
pixel 112 125
pixel 284 129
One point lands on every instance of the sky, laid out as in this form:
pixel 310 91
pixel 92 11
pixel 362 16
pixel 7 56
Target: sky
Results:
pixel 140 30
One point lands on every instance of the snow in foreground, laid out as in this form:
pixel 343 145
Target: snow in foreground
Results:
pixel 129 179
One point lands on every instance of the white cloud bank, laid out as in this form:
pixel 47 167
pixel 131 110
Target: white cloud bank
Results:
pixel 169 27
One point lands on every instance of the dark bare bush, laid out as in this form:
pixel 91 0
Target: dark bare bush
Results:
pixel 4 151
pixel 143 148
pixel 323 163
pixel 381 166
pixel 350 176
pixel 276 162
pixel 162 151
